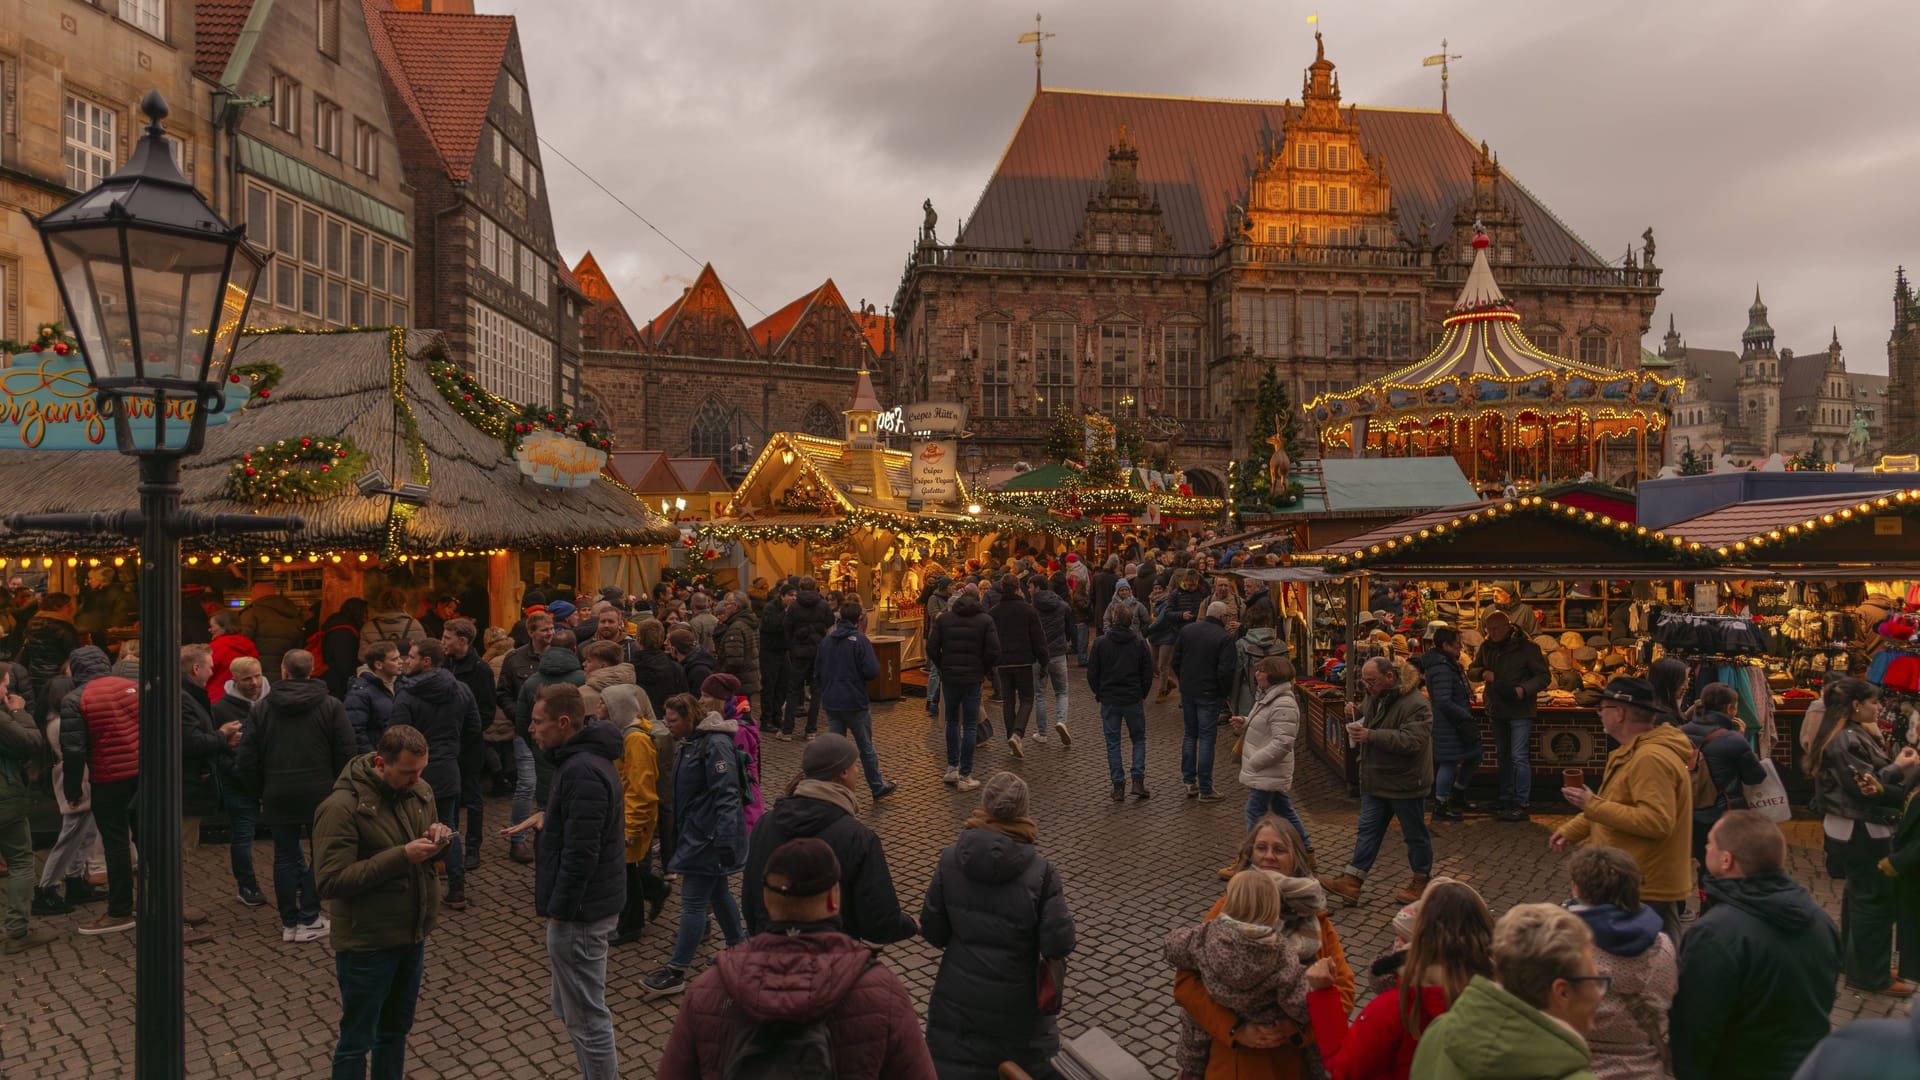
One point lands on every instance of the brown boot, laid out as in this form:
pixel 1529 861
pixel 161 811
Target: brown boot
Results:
pixel 1346 887
pixel 1412 890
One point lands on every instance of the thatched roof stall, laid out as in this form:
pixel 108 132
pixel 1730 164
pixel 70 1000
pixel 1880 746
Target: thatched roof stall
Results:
pixel 364 399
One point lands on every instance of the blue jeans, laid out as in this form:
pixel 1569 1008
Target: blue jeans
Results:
pixel 524 780
pixel 378 992
pixel 1511 741
pixel 1199 715
pixel 933 690
pixel 1451 778
pixel 698 893
pixel 1375 812
pixel 858 726
pixel 449 808
pixel 1259 803
pixel 1135 717
pixel 243 818
pixel 1052 671
pixel 293 888
pixel 963 724
pixel 577 953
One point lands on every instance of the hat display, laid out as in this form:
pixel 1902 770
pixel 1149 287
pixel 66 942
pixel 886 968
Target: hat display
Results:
pixel 803 867
pixel 1437 624
pixel 1559 661
pixel 1572 640
pixel 1547 642
pixel 827 756
pixel 1597 641
pixel 1585 654
pixel 1629 691
pixel 1472 639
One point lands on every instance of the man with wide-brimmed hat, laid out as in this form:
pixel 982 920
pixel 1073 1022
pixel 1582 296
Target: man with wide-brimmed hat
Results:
pixel 1645 803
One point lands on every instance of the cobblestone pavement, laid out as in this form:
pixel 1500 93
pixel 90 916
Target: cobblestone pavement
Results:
pixel 1132 872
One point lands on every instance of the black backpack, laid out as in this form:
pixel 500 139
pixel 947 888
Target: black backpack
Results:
pixel 783 1050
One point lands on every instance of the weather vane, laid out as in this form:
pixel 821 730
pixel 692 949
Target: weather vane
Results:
pixel 1440 60
pixel 1036 38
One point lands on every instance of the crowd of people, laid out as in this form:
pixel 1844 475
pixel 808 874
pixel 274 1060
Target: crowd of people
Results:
pixel 632 754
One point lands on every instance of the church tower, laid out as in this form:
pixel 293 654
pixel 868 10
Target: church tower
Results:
pixel 1758 388
pixel 1671 347
pixel 1903 363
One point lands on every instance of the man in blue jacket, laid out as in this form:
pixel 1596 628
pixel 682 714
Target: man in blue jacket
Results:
pixel 442 709
pixel 842 668
pixel 1456 735
pixel 580 873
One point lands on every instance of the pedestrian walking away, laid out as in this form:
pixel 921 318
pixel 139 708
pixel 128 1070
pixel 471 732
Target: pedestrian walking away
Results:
pixel 709 793
pixel 1059 623
pixel 964 646
pixel 1203 663
pixel 843 666
pixel 1120 673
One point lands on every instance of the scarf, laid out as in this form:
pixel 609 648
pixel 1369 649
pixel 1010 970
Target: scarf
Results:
pixel 1021 829
pixel 827 791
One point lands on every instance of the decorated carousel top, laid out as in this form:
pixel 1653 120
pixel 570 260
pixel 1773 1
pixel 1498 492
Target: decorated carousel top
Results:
pixel 1485 365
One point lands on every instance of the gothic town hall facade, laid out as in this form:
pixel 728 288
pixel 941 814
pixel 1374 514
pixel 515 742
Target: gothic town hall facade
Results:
pixel 1154 255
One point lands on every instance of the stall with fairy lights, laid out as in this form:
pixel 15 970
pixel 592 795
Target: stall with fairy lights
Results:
pixel 403 468
pixel 1507 410
pixel 1059 502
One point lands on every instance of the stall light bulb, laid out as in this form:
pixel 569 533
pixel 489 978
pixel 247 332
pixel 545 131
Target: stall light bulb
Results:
pixel 363 556
pixel 119 560
pixel 46 564
pixel 193 560
pixel 73 562
pixel 93 562
pixel 216 560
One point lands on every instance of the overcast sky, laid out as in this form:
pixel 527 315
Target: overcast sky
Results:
pixel 787 143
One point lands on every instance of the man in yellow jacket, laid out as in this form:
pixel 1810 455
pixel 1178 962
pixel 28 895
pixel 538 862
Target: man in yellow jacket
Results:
pixel 627 709
pixel 1645 803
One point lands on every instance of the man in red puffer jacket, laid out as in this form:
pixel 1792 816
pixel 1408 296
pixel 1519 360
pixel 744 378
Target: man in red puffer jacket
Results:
pixel 100 740
pixel 802 971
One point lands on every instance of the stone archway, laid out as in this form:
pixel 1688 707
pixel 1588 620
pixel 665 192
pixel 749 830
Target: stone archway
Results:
pixel 1205 482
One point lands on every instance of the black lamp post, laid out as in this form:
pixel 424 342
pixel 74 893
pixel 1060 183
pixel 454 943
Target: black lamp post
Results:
pixel 157 288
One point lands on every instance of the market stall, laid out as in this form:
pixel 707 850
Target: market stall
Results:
pixel 1054 503
pixel 1505 409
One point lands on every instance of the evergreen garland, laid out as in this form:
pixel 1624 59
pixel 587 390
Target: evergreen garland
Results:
pixel 531 418
pixel 48 337
pixel 464 393
pixel 301 468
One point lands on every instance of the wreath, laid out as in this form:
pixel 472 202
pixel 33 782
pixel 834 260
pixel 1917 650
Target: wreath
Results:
pixel 49 337
pixel 480 407
pixel 260 379
pixel 305 467
pixel 559 418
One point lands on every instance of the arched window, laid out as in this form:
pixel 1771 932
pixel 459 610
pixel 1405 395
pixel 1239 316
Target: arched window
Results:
pixel 711 435
pixel 821 421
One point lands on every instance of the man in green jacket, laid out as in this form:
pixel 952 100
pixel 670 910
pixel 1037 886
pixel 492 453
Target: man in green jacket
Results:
pixel 21 744
pixel 1393 734
pixel 374 840
pixel 1533 1021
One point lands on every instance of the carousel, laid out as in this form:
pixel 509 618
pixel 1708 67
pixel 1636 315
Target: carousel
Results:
pixel 1508 411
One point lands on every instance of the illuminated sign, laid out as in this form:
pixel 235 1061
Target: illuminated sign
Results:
pixel 47 403
pixel 557 460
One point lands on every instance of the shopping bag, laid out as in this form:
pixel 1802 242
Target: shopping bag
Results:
pixel 1769 796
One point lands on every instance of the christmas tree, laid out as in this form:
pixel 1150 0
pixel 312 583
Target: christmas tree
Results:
pixel 1271 404
pixel 1066 438
pixel 1692 464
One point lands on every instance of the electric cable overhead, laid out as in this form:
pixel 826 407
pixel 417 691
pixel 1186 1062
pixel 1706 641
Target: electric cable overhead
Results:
pixel 642 218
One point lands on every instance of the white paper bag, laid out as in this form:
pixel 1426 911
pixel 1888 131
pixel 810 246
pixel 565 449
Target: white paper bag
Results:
pixel 1769 796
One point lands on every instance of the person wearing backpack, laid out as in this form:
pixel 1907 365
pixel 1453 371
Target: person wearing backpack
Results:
pixel 801 1001
pixel 1724 762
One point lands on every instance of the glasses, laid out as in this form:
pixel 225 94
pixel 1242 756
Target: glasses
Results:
pixel 1605 981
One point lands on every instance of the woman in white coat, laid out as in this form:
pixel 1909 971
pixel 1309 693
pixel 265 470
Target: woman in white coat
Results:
pixel 1268 733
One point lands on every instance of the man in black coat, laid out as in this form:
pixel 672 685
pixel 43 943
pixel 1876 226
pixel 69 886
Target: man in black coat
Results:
pixel 580 879
pixel 1456 734
pixel 1100 585
pixel 1023 643
pixel 440 707
pixel 292 753
pixel 1514 672
pixel 457 638
pixel 1120 672
pixel 823 805
pixel 1203 663
pixel 773 658
pixel 964 646
pixel 807 619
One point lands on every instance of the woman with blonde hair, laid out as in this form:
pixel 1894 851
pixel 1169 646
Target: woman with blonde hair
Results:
pixel 1244 962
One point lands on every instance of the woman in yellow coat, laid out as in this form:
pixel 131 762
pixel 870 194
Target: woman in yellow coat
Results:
pixel 626 707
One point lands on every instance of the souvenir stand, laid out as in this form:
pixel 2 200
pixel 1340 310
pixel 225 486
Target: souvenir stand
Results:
pixel 1503 408
pixel 1528 543
pixel 1061 501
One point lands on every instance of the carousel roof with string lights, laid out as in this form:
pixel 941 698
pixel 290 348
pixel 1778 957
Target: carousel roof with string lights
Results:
pixel 1484 366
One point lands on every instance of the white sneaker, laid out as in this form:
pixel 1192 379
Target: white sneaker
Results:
pixel 1066 737
pixel 286 933
pixel 1040 737
pixel 953 775
pixel 1013 744
pixel 968 783
pixel 313 931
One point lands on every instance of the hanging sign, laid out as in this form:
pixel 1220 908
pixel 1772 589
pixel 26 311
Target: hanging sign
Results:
pixel 556 460
pixel 47 403
pixel 936 470
pixel 936 418
pixel 892 422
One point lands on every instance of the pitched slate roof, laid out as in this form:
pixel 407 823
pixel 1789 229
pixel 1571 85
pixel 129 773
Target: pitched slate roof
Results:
pixel 444 67
pixel 1196 155
pixel 1714 371
pixel 216 29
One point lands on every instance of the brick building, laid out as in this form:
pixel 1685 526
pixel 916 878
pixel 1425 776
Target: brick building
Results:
pixel 309 163
pixel 699 380
pixel 1152 255
pixel 488 270
pixel 1759 400
pixel 71 79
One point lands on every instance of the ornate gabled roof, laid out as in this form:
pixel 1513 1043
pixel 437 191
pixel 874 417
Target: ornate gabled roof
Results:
pixel 706 293
pixel 443 66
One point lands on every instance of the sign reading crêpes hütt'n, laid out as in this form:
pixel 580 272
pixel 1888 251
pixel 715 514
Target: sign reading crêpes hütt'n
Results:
pixel 47 403
pixel 936 472
pixel 936 418
pixel 557 460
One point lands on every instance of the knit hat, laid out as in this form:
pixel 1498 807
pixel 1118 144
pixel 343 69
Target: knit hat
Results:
pixel 827 756
pixel 534 599
pixel 1005 797
pixel 721 686
pixel 805 867
pixel 561 609
pixel 1123 583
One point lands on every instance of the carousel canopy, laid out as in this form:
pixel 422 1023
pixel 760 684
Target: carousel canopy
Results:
pixel 1485 367
pixel 369 395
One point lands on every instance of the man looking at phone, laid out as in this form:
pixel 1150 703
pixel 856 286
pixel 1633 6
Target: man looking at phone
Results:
pixel 378 828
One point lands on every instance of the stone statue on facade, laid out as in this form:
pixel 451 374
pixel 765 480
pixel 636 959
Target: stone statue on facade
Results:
pixel 1647 256
pixel 927 235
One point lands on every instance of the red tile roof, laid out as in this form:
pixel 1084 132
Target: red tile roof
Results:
pixel 1744 521
pixel 771 332
pixel 699 474
pixel 877 328
pixel 1196 155
pixel 656 331
pixel 645 471
pixel 445 67
pixel 216 28
pixel 568 281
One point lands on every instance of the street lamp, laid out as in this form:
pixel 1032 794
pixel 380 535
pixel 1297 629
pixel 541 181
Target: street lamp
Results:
pixel 156 287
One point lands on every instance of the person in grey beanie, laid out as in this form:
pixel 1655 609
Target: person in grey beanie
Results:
pixel 996 909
